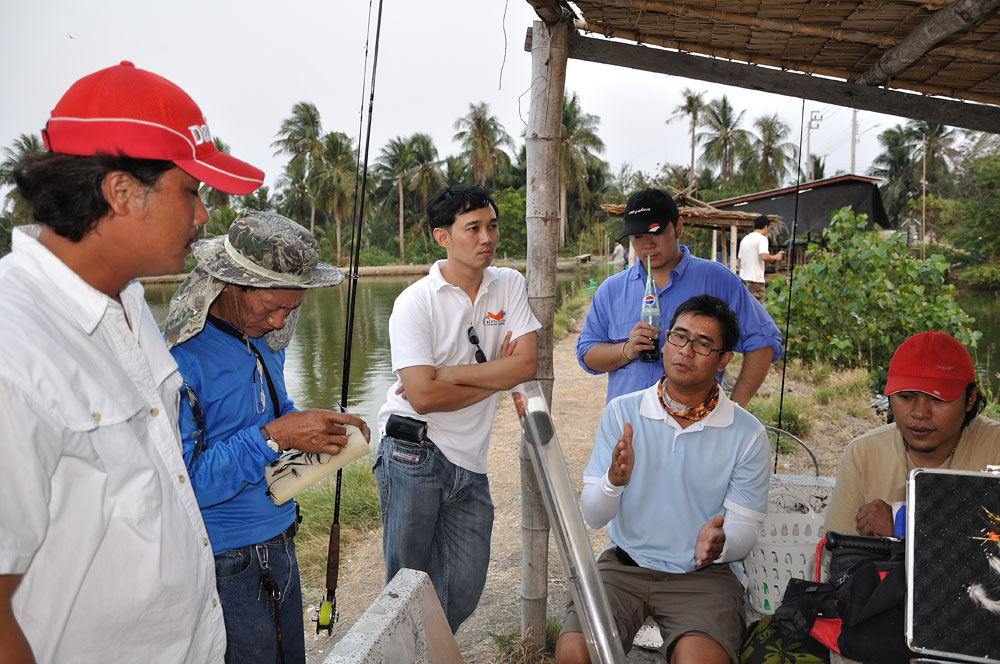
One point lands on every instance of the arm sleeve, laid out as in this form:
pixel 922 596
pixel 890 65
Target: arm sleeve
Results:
pixel 751 478
pixel 522 319
pixel 31 451
pixel 757 328
pixel 599 500
pixel 225 466
pixel 847 496
pixel 595 327
pixel 411 339
pixel 741 527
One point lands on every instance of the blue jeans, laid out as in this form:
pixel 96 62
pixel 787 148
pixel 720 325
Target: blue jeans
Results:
pixel 249 613
pixel 436 517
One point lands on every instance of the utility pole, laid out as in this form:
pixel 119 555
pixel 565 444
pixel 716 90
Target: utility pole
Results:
pixel 814 119
pixel 923 201
pixel 854 137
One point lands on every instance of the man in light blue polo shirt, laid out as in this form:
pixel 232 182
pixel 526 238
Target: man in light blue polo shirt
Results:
pixel 612 335
pixel 679 474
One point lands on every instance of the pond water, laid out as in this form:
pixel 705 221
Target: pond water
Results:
pixel 315 359
pixel 985 308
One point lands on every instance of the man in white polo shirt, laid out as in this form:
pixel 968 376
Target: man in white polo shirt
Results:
pixel 679 474
pixel 459 335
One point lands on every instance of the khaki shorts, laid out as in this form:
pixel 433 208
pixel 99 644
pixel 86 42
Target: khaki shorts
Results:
pixel 707 602
pixel 758 290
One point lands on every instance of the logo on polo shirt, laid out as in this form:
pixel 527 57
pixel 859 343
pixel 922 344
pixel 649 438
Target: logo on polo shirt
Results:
pixel 499 318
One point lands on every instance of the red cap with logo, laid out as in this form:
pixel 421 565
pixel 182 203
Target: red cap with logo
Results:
pixel 933 363
pixel 123 110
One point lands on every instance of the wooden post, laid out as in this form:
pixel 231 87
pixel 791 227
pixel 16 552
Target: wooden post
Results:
pixel 548 78
pixel 732 247
pixel 715 245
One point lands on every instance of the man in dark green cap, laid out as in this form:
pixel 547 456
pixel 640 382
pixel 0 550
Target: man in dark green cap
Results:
pixel 227 328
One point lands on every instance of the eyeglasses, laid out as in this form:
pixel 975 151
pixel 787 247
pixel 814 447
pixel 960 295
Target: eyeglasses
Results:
pixel 198 416
pixel 474 340
pixel 699 347
pixel 260 398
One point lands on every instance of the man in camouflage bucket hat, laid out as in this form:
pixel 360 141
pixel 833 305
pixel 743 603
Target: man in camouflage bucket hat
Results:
pixel 227 328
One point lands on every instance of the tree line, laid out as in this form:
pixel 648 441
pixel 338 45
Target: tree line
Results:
pixel 729 156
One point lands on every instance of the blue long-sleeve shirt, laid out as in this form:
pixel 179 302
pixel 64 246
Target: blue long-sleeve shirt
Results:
pixel 616 306
pixel 228 475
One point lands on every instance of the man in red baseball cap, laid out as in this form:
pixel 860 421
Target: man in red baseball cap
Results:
pixel 103 553
pixel 935 406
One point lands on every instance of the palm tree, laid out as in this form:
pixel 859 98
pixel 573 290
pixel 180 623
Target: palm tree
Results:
pixel 724 141
pixel 578 144
pixel 896 165
pixel 23 145
pixel 300 137
pixel 940 139
pixel 693 106
pixel 333 179
pixel 482 135
pixel 395 163
pixel 260 199
pixel 425 175
pixel 771 153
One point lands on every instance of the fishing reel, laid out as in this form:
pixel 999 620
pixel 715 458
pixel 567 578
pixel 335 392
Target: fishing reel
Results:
pixel 326 615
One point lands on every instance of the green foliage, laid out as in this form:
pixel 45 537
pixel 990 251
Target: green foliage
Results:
pixel 793 417
pixel 513 227
pixel 856 300
pixel 979 237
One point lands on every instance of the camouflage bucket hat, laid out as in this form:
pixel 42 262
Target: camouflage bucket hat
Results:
pixel 266 250
pixel 262 250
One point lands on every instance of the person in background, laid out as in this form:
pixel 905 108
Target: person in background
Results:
pixel 935 404
pixel 613 336
pixel 754 252
pixel 618 257
pixel 103 553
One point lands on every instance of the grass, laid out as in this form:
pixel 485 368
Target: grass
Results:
pixel 510 647
pixel 359 514
pixel 793 414
pixel 568 313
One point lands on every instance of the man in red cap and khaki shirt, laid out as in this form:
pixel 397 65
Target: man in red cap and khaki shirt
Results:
pixel 935 406
pixel 103 553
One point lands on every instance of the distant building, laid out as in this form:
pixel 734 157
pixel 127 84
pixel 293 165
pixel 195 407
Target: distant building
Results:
pixel 817 200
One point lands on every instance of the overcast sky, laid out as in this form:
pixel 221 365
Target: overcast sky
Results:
pixel 247 63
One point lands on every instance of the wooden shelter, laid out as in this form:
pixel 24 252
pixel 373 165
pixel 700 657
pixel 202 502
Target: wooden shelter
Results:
pixel 932 60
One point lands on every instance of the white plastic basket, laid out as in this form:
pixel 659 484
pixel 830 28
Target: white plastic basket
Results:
pixel 785 549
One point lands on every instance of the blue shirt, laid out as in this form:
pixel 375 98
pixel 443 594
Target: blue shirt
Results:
pixel 228 475
pixel 681 477
pixel 615 310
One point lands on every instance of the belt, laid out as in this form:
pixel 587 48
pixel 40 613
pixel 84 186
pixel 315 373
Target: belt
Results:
pixel 624 558
pixel 287 535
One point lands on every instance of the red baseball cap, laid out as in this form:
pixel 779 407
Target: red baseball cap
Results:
pixel 129 111
pixel 933 363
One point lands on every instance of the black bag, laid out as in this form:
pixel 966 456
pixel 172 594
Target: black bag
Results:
pixel 869 579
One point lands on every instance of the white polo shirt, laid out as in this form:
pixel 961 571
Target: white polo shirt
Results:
pixel 96 510
pixel 429 327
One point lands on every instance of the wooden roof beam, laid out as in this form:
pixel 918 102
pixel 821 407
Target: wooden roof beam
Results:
pixel 978 117
pixel 957 16
pixel 549 11
pixel 795 28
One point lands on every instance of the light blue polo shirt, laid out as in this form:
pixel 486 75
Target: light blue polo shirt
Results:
pixel 682 477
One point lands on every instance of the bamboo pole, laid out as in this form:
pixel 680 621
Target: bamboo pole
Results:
pixel 549 53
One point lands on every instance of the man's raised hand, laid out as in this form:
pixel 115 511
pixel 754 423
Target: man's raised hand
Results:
pixel 314 430
pixel 711 539
pixel 622 459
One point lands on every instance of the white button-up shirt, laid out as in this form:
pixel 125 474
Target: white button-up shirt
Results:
pixel 96 510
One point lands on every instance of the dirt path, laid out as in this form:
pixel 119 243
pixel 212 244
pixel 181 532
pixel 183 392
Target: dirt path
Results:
pixel 578 401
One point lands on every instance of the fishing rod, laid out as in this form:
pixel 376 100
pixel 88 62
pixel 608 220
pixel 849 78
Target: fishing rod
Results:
pixel 328 613
pixel 788 307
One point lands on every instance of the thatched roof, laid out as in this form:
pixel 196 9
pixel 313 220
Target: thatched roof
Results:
pixel 854 50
